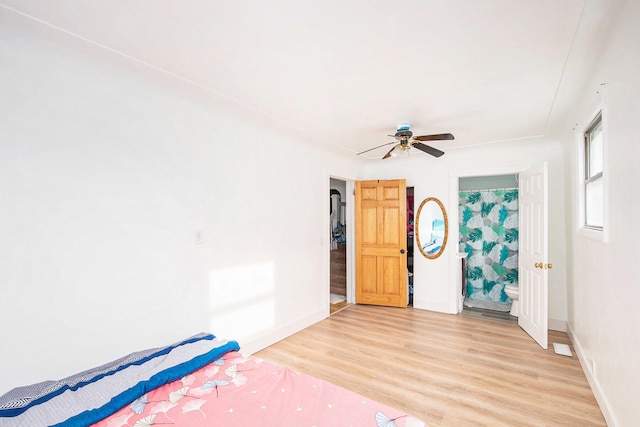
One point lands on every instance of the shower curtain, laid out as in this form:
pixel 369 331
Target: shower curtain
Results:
pixel 489 235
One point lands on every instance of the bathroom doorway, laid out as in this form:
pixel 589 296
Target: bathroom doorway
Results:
pixel 488 236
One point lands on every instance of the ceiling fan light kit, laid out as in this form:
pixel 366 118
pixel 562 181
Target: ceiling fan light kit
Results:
pixel 405 141
pixel 400 150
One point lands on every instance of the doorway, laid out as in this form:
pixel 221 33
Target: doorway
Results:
pixel 533 280
pixel 347 216
pixel 410 240
pixel 338 245
pixel 488 224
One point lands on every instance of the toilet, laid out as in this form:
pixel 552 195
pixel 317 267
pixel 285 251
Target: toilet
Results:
pixel 513 292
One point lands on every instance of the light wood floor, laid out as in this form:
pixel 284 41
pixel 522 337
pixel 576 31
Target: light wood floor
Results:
pixel 444 369
pixel 334 308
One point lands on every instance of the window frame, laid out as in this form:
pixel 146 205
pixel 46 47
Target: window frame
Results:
pixel 591 231
pixel 588 176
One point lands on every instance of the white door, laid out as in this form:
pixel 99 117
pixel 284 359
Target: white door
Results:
pixel 533 251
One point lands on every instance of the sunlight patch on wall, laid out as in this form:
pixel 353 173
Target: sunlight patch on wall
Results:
pixel 241 301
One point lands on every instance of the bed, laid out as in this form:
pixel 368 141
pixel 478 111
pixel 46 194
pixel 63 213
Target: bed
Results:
pixel 198 381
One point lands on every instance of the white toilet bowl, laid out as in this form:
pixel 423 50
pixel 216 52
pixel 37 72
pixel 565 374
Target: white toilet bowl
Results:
pixel 513 292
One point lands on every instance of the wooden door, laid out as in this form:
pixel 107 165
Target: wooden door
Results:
pixel 381 242
pixel 533 253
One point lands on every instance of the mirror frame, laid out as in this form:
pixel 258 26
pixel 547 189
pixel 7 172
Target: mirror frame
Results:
pixel 446 228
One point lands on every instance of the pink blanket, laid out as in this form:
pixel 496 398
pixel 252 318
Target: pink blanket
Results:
pixel 237 391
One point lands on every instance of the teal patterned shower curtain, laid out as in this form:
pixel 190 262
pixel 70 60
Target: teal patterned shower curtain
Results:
pixel 489 235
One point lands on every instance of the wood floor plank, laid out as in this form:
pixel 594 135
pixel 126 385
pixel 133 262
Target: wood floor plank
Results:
pixel 444 369
pixel 334 308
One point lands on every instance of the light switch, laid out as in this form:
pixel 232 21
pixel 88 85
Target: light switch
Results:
pixel 199 239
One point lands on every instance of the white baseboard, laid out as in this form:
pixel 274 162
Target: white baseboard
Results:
pixel 254 344
pixel 557 325
pixel 587 368
pixel 431 306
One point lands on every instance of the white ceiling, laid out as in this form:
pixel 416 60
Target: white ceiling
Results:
pixel 347 72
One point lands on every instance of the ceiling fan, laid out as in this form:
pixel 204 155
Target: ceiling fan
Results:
pixel 405 140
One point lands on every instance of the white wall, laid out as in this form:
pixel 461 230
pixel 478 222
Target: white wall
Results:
pixel 603 286
pixel 105 178
pixel 434 177
pixel 107 170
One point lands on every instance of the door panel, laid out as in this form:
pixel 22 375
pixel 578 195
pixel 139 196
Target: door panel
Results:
pixel 390 223
pixel 389 274
pixel 381 263
pixel 533 254
pixel 368 229
pixel 369 268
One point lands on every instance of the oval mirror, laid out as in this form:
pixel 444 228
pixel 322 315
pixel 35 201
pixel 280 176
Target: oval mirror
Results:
pixel 432 228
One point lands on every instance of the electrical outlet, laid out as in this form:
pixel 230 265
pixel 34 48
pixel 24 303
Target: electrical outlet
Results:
pixel 198 238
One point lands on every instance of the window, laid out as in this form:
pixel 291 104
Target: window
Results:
pixel 593 180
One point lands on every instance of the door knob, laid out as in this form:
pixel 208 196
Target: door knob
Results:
pixel 402 251
pixel 549 266
pixel 538 265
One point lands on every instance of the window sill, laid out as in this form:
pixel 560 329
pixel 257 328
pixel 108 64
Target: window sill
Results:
pixel 592 234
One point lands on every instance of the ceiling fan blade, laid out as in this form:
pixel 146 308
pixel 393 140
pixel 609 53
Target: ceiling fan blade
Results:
pixel 386 156
pixel 427 149
pixel 371 149
pixel 438 137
